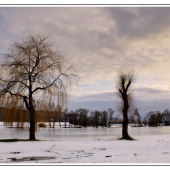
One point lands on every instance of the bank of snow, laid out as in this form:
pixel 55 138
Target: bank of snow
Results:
pixel 145 149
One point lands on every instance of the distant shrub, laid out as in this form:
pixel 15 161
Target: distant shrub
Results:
pixel 42 125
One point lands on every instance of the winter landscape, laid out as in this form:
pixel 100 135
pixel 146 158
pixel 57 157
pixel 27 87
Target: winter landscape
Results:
pixel 84 85
pixel 104 148
pixel 144 151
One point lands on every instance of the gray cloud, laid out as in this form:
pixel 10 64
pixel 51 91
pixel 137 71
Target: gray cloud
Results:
pixel 100 42
pixel 139 22
pixel 100 101
pixel 152 91
pixel 89 37
pixel 146 100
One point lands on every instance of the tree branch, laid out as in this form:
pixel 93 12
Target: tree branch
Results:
pixel 129 83
pixel 26 103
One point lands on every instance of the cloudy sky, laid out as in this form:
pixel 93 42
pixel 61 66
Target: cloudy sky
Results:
pixel 101 41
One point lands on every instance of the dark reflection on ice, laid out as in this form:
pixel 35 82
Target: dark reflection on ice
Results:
pixel 88 133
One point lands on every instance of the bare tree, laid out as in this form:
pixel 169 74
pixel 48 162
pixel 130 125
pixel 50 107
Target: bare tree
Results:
pixel 95 118
pixel 110 112
pixel 166 117
pixel 65 115
pixel 132 120
pixel 145 121
pixel 124 82
pixel 83 116
pixel 136 113
pixel 104 118
pixel 33 69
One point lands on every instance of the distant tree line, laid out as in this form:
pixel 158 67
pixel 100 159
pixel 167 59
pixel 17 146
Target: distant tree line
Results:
pixel 82 117
pixel 78 118
pixel 156 118
pixel 152 118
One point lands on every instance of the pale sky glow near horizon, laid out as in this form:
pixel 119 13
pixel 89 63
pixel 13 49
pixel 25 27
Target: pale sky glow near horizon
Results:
pixel 101 41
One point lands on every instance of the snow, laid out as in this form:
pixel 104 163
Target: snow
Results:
pixel 146 149
pixel 143 150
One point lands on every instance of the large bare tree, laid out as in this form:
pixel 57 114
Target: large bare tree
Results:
pixel 32 69
pixel 124 83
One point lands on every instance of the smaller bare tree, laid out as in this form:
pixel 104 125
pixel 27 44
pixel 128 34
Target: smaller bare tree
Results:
pixel 126 106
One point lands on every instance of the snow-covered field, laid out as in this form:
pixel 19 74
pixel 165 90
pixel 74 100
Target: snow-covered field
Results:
pixel 143 150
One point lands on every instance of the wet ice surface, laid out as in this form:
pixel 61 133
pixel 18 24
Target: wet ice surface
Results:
pixel 80 134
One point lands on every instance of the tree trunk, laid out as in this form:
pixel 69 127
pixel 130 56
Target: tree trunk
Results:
pixel 125 129
pixel 125 118
pixel 59 119
pixel 32 125
pixel 85 121
pixel 54 120
pixel 65 121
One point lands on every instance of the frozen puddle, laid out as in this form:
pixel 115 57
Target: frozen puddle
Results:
pixel 31 159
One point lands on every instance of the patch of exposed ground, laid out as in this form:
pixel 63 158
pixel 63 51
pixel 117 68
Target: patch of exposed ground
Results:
pixel 32 158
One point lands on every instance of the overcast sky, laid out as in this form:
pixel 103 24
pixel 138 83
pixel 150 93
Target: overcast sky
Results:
pixel 100 41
